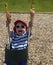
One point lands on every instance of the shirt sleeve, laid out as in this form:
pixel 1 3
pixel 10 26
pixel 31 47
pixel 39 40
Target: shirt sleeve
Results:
pixel 12 34
pixel 29 33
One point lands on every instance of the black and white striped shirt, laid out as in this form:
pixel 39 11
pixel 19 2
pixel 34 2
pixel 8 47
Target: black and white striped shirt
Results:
pixel 19 42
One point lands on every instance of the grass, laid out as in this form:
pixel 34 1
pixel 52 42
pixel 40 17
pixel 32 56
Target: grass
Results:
pixel 25 5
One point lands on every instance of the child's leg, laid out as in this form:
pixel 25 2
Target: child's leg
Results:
pixel 23 63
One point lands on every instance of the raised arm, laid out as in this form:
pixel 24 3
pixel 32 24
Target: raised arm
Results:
pixel 32 13
pixel 8 15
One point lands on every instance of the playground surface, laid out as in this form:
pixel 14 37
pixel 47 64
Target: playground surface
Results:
pixel 41 43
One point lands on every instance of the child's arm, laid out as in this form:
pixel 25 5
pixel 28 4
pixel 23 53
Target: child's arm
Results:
pixel 32 13
pixel 8 15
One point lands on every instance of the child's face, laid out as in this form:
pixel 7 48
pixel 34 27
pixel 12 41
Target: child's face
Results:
pixel 20 28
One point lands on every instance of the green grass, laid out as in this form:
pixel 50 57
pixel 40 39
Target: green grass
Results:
pixel 24 5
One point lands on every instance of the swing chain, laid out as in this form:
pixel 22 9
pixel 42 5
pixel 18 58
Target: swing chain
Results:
pixel 7 24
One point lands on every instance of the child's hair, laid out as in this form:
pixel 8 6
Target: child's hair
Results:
pixel 20 21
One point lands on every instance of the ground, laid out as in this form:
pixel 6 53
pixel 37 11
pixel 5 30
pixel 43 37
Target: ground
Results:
pixel 41 43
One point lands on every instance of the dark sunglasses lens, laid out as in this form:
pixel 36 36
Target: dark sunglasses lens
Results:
pixel 23 26
pixel 17 26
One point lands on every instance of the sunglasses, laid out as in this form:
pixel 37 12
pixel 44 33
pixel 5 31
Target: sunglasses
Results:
pixel 22 26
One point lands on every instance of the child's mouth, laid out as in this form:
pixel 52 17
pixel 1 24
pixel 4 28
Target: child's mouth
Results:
pixel 20 31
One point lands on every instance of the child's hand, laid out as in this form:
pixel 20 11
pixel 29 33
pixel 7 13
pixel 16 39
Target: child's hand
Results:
pixel 32 12
pixel 8 15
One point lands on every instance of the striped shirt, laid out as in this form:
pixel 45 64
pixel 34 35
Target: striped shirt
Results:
pixel 19 42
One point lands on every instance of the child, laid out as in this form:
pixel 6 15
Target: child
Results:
pixel 19 43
